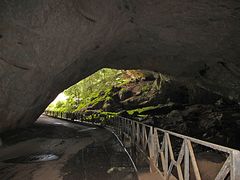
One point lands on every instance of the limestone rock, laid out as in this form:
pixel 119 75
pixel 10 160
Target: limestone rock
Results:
pixel 46 46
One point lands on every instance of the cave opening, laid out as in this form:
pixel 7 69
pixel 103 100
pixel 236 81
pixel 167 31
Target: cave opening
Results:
pixel 155 99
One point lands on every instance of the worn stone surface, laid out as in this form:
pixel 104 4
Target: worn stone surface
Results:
pixel 47 45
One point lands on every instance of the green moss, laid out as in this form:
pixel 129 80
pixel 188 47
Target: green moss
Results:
pixel 108 113
pixel 141 110
pixel 124 82
pixel 95 98
pixel 108 98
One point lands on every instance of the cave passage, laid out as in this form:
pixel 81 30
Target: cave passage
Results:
pixel 47 46
pixel 168 63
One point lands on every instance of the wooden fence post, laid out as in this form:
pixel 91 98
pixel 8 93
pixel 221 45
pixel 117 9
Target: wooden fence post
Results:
pixel 154 150
pixel 165 154
pixel 235 165
pixel 186 161
pixel 133 133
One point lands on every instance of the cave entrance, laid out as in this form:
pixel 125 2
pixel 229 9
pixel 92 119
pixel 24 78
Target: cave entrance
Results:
pixel 155 99
pixel 142 95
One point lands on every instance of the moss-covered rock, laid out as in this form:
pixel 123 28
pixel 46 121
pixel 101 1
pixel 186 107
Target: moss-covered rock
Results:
pixel 124 94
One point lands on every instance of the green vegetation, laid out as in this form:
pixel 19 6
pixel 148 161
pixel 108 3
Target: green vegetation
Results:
pixel 94 90
pixel 141 110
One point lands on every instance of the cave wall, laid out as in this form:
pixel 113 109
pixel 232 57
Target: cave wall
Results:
pixel 48 45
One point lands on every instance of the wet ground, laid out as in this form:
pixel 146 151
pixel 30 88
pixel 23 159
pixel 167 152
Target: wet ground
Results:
pixel 59 150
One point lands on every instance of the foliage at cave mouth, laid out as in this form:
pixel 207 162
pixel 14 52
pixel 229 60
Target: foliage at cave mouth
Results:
pixel 97 88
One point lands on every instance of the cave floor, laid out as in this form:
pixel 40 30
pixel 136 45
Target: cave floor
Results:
pixel 53 149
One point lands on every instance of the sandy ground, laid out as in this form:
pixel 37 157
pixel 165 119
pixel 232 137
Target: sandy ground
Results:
pixel 84 152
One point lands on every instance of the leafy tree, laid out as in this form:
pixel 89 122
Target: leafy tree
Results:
pixel 86 91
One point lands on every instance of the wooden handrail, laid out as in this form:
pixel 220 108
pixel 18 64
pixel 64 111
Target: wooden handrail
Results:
pixel 146 138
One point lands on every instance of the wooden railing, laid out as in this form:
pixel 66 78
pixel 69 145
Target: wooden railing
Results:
pixel 156 144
